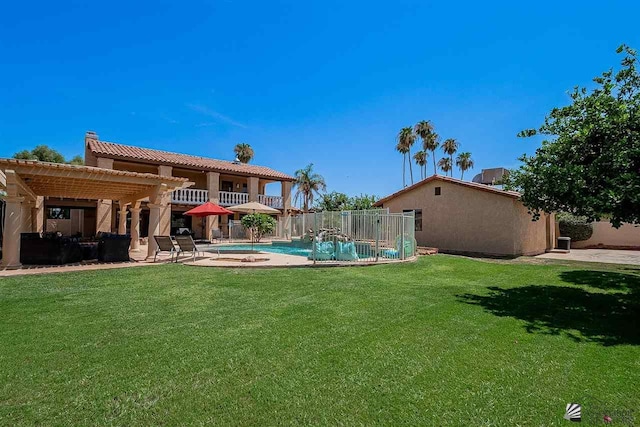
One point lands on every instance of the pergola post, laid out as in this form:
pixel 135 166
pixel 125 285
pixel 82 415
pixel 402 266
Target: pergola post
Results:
pixel 158 208
pixel 103 216
pixel 135 226
pixel 154 228
pixel 12 229
pixel 122 221
pixel 37 215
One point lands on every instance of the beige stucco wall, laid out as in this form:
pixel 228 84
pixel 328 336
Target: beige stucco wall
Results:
pixel 604 235
pixel 67 227
pixel 468 220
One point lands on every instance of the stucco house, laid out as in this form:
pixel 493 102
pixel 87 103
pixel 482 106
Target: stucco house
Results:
pixel 465 217
pixel 225 183
pixel 127 189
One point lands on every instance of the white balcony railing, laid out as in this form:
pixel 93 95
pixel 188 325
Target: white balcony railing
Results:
pixel 189 196
pixel 194 196
pixel 275 202
pixel 228 198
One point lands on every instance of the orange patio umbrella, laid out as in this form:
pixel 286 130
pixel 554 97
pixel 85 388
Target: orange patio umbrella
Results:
pixel 207 209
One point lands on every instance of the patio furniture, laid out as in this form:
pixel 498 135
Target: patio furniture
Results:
pixel 186 244
pixel 216 234
pixel 114 247
pixel 165 244
pixel 48 249
pixel 89 250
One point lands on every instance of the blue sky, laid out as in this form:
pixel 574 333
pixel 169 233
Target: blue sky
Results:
pixel 328 82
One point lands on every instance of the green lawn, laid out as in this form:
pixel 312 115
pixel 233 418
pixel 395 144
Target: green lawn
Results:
pixel 443 341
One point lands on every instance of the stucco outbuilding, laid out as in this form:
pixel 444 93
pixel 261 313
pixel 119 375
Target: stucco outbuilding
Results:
pixel 464 217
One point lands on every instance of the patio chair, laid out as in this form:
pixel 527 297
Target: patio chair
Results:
pixel 216 235
pixel 186 244
pixel 165 244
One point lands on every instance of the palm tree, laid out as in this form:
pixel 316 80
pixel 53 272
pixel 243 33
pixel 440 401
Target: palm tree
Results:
pixel 450 146
pixel 308 185
pixel 406 138
pixel 464 162
pixel 424 129
pixel 244 152
pixel 431 143
pixel 445 164
pixel 421 160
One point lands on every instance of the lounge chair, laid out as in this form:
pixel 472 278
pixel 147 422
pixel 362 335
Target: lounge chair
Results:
pixel 165 244
pixel 186 244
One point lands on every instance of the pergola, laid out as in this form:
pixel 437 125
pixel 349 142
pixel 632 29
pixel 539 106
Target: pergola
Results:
pixel 27 182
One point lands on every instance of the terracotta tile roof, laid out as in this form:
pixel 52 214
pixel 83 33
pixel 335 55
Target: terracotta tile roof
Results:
pixel 147 155
pixel 476 186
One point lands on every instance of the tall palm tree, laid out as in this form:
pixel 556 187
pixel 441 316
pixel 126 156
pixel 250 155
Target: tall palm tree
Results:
pixel 445 164
pixel 464 162
pixel 308 184
pixel 424 129
pixel 450 146
pixel 431 143
pixel 243 152
pixel 421 160
pixel 406 138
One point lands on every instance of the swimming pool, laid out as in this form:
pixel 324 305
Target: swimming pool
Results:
pixel 277 249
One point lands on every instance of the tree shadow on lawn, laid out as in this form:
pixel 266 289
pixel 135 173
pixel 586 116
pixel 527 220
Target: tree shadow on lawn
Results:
pixel 607 318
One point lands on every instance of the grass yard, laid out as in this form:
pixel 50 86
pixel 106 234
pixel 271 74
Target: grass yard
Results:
pixel 443 341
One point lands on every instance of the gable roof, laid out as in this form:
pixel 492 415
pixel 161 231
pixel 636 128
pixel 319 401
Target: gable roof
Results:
pixel 472 185
pixel 148 155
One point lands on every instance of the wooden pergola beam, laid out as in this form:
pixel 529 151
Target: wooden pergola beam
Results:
pixel 22 188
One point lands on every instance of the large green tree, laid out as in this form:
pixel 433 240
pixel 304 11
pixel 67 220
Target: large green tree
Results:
pixel 336 201
pixel 42 153
pixel 363 202
pixel 589 165
pixel 333 201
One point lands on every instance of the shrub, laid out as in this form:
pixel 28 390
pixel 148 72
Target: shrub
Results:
pixel 259 224
pixel 576 227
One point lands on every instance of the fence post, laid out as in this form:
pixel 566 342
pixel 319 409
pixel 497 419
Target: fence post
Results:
pixel 304 229
pixel 377 236
pixel 402 239
pixel 315 235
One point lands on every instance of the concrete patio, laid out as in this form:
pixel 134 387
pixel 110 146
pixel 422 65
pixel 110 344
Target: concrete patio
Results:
pixel 607 256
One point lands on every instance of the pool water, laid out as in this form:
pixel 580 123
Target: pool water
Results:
pixel 277 249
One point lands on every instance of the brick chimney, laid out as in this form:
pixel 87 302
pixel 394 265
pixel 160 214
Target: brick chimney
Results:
pixel 90 135
pixel 89 157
